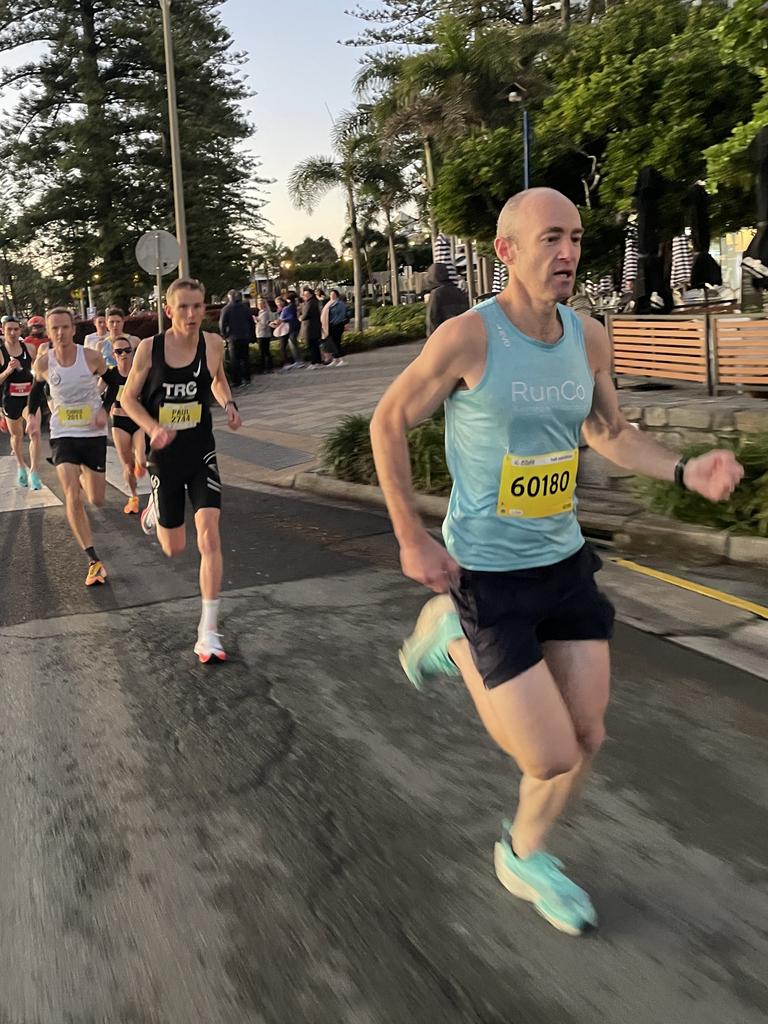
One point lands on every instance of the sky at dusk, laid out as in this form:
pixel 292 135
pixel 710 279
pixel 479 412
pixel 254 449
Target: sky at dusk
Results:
pixel 302 78
pixel 300 73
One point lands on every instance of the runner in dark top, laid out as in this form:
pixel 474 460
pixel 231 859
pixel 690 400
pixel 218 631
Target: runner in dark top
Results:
pixel 174 379
pixel 15 386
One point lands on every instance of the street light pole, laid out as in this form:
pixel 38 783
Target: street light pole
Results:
pixel 173 121
pixel 520 95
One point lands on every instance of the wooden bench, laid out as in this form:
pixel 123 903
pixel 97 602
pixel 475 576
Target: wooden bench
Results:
pixel 740 345
pixel 667 348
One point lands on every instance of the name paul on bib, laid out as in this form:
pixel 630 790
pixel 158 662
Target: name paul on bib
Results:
pixel 178 409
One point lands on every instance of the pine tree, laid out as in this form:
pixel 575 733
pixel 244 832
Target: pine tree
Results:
pixel 412 22
pixel 89 137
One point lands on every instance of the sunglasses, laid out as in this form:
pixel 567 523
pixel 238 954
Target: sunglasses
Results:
pixel 122 351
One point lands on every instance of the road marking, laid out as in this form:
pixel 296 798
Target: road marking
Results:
pixel 115 475
pixel 696 588
pixel 18 499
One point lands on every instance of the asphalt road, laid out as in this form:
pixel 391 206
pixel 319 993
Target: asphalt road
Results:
pixel 299 837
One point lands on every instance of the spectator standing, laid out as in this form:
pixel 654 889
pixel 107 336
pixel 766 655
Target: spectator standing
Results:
pixel 333 319
pixel 321 297
pixel 310 326
pixel 237 328
pixel 264 319
pixel 293 320
pixel 281 326
pixel 446 300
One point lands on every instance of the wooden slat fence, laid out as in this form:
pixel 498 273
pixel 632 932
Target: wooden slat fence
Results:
pixel 740 346
pixel 664 347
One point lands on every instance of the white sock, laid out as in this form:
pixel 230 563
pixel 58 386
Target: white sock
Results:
pixel 209 620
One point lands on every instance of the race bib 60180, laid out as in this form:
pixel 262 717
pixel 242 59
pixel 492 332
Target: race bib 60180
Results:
pixel 535 486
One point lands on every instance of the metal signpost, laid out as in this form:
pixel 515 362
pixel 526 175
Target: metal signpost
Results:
pixel 157 252
pixel 173 124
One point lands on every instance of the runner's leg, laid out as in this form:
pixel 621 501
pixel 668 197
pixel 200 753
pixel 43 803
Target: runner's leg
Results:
pixel 16 430
pixel 529 719
pixel 95 486
pixel 69 476
pixel 124 449
pixel 173 540
pixel 209 546
pixel 34 448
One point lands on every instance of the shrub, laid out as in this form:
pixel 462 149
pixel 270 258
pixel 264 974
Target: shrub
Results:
pixel 745 512
pixel 399 316
pixel 346 453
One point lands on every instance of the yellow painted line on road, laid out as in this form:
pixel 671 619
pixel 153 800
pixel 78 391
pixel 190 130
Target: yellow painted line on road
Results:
pixel 696 588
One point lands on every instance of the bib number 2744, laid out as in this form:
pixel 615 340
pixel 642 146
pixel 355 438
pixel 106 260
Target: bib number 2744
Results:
pixel 535 486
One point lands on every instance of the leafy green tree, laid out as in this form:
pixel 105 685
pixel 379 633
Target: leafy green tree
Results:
pixel 315 250
pixel 89 136
pixel 742 39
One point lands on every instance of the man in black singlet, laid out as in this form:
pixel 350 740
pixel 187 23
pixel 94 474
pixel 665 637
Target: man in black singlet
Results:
pixel 173 381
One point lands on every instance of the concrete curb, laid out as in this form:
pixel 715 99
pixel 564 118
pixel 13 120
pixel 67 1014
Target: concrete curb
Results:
pixel 640 534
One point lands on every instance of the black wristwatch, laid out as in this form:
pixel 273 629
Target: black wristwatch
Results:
pixel 231 402
pixel 680 473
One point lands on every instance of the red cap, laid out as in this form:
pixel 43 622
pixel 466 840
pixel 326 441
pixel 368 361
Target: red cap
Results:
pixel 36 321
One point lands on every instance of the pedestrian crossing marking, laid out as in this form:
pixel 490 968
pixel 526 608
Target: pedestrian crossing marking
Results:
pixel 19 499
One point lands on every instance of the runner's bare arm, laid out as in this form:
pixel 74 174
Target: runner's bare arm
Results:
pixel 447 357
pixel 606 430
pixel 137 377
pixel 220 385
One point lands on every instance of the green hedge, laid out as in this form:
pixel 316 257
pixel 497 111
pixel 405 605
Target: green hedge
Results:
pixel 405 317
pixel 347 455
pixel 745 512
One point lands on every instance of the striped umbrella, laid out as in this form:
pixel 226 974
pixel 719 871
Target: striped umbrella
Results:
pixel 441 253
pixel 605 286
pixel 682 262
pixel 500 278
pixel 629 272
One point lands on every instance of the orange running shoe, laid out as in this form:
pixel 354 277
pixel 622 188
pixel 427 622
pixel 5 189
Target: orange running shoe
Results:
pixel 132 506
pixel 96 574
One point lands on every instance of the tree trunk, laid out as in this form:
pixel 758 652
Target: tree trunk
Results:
pixel 430 175
pixel 357 270
pixel 565 13
pixel 469 253
pixel 527 12
pixel 394 281
pixel 591 11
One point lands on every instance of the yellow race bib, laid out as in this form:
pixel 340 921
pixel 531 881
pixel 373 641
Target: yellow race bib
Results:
pixel 75 415
pixel 180 415
pixel 535 486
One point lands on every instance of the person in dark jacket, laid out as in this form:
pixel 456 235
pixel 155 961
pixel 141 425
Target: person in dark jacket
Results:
pixel 311 331
pixel 446 300
pixel 237 328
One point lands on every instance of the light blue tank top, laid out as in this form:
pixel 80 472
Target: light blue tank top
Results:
pixel 531 401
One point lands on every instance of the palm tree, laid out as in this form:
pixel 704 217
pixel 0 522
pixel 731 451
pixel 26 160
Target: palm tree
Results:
pixel 311 179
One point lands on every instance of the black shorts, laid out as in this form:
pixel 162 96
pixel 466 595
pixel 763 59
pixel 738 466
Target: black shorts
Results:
pixel 173 479
pixel 507 616
pixel 123 423
pixel 90 452
pixel 14 407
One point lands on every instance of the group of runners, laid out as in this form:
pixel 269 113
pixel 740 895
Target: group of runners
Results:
pixel 517 614
pixel 159 396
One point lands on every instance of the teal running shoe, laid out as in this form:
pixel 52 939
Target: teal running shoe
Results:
pixel 540 880
pixel 22 478
pixel 425 652
pixel 35 483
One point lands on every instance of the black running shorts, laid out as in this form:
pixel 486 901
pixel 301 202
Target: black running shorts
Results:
pixel 507 616
pixel 90 452
pixel 14 407
pixel 172 480
pixel 126 424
